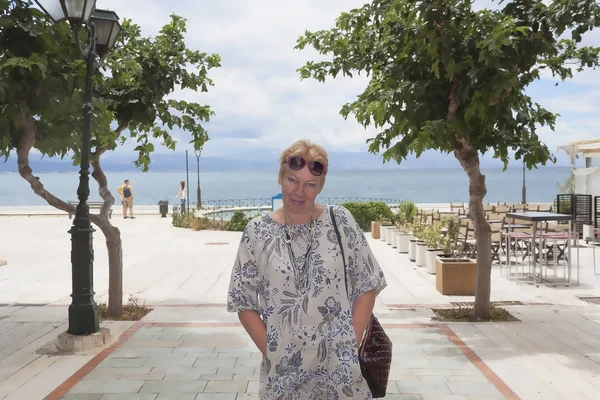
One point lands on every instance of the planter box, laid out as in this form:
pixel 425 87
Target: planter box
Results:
pixel 375 230
pixel 455 276
pixel 402 241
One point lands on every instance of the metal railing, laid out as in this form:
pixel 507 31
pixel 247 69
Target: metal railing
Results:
pixel 233 214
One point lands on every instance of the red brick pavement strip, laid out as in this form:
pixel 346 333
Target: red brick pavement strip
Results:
pixel 93 363
pixel 478 362
pixel 224 306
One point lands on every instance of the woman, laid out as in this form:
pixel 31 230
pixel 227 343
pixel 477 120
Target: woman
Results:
pixel 289 289
pixel 181 195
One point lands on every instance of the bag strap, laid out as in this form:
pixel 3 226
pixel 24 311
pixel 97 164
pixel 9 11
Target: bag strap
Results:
pixel 339 238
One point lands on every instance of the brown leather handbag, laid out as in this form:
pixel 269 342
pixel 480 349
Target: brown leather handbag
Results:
pixel 375 350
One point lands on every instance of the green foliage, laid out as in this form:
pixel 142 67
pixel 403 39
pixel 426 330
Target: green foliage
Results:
pixel 568 186
pixel 238 221
pixel 432 235
pixel 366 212
pixel 407 211
pixel 450 243
pixel 189 220
pixel 42 74
pixel 145 73
pixel 446 77
pixel 184 220
pixel 418 229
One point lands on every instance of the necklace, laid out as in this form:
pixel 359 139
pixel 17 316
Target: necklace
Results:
pixel 301 272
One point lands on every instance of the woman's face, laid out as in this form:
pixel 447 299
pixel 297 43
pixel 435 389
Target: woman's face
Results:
pixel 299 189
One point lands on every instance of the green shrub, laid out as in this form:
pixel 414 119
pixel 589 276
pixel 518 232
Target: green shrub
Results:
pixel 238 221
pixel 451 242
pixel 366 212
pixel 407 212
pixel 185 220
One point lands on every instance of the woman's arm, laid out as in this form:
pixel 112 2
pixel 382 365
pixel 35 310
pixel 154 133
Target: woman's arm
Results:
pixel 361 313
pixel 255 328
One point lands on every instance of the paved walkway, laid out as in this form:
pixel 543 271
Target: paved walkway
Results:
pixel 190 348
pixel 199 361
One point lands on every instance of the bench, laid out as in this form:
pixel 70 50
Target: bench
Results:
pixel 93 205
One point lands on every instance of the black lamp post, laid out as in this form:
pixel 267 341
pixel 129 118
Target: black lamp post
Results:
pixel 524 188
pixel 198 151
pixel 102 28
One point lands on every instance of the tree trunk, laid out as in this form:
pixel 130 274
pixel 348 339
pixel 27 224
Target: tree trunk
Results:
pixel 469 159
pixel 112 234
pixel 25 145
pixel 114 245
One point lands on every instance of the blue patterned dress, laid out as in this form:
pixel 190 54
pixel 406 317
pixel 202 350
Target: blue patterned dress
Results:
pixel 311 346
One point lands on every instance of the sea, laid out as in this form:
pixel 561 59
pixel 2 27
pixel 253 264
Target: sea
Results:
pixel 418 185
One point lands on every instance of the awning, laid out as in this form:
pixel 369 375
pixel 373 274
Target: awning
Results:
pixel 581 147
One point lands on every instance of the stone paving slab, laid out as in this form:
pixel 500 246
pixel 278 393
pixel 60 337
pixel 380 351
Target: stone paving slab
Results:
pixel 429 361
pixel 554 353
pixel 198 272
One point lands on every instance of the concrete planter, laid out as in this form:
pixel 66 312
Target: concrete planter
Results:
pixel 430 259
pixel 455 276
pixel 402 241
pixel 412 249
pixel 391 236
pixel 420 253
pixel 384 229
pixel 395 238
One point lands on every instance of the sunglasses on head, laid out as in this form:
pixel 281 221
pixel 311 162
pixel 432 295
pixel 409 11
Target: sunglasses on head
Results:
pixel 297 163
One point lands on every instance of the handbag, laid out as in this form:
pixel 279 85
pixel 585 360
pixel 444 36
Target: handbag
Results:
pixel 375 349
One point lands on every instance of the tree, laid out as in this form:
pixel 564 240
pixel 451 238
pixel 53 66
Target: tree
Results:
pixel 443 76
pixel 41 97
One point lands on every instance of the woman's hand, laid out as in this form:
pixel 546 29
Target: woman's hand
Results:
pixel 255 327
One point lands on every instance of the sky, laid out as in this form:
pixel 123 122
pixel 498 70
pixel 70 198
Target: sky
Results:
pixel 261 104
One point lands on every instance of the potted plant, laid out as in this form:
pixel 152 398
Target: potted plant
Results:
pixel 421 251
pixel 418 229
pixel 390 234
pixel 433 243
pixel 406 215
pixel 455 273
pixel 384 225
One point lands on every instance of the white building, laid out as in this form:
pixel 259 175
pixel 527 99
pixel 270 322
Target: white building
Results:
pixel 587 178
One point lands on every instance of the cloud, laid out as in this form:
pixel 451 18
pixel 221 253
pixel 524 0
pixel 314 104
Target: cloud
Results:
pixel 261 104
pixel 574 103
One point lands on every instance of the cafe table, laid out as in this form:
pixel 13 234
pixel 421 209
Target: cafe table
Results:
pixel 539 216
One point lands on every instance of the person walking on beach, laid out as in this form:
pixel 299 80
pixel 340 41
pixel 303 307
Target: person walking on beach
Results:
pixel 126 193
pixel 289 287
pixel 182 196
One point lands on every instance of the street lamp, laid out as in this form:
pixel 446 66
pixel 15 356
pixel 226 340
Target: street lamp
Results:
pixel 198 150
pixel 102 28
pixel 524 189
